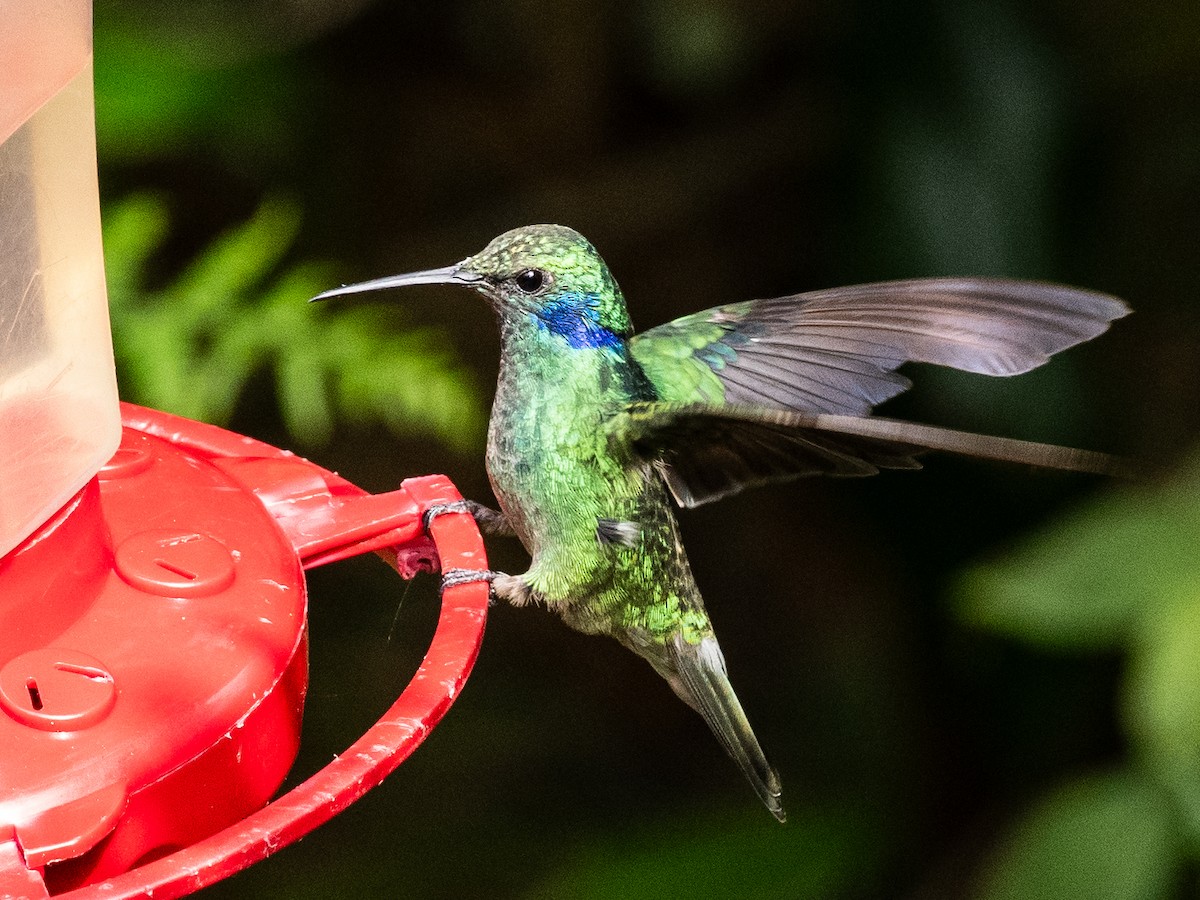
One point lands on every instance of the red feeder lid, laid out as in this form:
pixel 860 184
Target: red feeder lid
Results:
pixel 153 660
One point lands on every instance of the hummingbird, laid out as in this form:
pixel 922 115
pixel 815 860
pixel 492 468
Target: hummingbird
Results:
pixel 596 429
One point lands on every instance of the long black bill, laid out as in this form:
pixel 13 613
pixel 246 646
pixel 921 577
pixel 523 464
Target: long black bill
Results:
pixel 447 275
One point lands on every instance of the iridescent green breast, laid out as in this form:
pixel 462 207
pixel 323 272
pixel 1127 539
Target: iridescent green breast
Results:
pixel 556 475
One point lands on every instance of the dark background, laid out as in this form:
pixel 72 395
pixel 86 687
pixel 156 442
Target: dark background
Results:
pixel 717 151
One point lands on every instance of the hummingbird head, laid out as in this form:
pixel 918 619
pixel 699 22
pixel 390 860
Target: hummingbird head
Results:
pixel 546 277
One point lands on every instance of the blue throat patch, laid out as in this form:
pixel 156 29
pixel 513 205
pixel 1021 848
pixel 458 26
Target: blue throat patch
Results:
pixel 576 318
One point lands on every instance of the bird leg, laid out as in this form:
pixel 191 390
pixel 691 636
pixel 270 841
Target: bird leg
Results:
pixel 513 589
pixel 490 521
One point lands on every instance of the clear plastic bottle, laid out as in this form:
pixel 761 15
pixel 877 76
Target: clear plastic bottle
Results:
pixel 59 415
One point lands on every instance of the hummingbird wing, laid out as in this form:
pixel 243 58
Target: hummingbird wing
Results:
pixel 707 451
pixel 837 351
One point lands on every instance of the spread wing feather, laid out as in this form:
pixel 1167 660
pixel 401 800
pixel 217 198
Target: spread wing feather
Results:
pixel 836 351
pixel 705 452
pixel 768 390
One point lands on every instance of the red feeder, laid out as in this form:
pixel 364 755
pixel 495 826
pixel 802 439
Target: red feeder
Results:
pixel 153 629
pixel 154 638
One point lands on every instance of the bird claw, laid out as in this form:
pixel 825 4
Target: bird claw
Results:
pixel 441 509
pixel 455 577
pixel 511 589
pixel 490 521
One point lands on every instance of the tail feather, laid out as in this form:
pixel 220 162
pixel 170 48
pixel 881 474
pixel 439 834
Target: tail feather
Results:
pixel 700 679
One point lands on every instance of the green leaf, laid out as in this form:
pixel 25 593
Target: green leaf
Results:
pixel 1161 701
pixel 1085 582
pixel 191 347
pixel 132 231
pixel 236 262
pixel 1105 837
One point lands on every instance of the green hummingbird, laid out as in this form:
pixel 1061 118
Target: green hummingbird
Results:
pixel 594 429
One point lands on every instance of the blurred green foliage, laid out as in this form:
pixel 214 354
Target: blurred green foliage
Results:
pixel 1101 836
pixel 192 346
pixel 1036 735
pixel 1120 575
pixel 170 93
pixel 1100 578
pixel 710 857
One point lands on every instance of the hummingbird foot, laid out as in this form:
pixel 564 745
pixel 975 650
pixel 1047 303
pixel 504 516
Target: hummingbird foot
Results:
pixel 454 577
pixel 513 589
pixel 490 521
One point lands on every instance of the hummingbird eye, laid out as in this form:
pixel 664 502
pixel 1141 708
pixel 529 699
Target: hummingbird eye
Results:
pixel 531 280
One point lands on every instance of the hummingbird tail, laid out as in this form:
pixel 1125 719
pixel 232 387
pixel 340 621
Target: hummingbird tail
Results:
pixel 698 676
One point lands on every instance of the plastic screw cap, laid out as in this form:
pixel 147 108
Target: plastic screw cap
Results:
pixel 174 564
pixel 57 689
